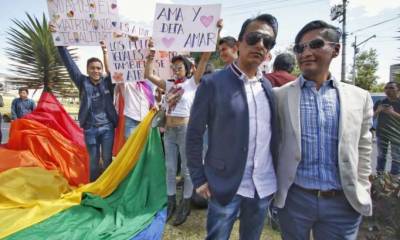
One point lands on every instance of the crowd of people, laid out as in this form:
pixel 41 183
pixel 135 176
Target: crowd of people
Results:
pixel 247 140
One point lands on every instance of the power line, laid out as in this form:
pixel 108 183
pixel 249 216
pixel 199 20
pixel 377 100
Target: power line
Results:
pixel 274 8
pixel 374 25
pixel 254 4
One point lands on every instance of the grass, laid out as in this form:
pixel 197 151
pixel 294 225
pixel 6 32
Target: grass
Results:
pixel 195 229
pixel 72 109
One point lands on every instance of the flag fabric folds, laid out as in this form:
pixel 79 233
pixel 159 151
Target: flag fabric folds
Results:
pixel 128 199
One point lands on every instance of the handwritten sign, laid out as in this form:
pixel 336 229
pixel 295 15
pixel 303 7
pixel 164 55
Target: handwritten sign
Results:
pixel 185 27
pixel 132 28
pixel 127 60
pixel 82 22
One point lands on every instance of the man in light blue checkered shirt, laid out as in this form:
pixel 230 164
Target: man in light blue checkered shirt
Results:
pixel 325 150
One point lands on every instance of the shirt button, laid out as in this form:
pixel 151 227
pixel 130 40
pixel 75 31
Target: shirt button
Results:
pixel 244 149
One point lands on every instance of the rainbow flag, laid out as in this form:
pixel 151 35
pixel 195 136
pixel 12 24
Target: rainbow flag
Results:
pixel 45 198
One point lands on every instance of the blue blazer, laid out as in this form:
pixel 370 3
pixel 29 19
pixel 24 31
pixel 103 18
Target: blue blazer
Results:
pixel 221 106
pixel 82 82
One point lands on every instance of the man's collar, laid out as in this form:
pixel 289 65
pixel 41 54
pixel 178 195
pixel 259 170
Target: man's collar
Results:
pixel 331 81
pixel 235 68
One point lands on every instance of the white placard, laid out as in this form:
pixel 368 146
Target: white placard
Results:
pixel 190 28
pixel 127 60
pixel 82 22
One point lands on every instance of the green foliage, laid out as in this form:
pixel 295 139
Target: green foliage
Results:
pixel 366 67
pixel 397 78
pixel 386 201
pixel 378 88
pixel 36 62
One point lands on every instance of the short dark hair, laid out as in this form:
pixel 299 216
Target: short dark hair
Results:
pixel 23 89
pixel 332 34
pixel 93 59
pixel 267 18
pixel 228 40
pixel 392 82
pixel 284 62
pixel 186 63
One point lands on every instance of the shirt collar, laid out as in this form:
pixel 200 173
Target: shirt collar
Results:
pixel 242 75
pixel 332 82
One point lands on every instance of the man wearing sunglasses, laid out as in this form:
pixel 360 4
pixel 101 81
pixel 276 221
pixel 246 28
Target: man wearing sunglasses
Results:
pixel 325 150
pixel 237 106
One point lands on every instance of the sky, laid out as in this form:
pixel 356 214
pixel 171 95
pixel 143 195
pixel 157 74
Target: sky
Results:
pixel 292 15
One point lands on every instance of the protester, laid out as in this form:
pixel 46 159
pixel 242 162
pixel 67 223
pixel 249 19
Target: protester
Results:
pixel 228 50
pixel 22 105
pixel 179 97
pixel 325 150
pixel 237 174
pixel 283 66
pixel 387 112
pixel 97 114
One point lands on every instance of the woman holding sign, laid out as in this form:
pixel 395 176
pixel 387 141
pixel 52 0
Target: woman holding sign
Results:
pixel 180 93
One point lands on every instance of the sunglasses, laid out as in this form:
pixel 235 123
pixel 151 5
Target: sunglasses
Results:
pixel 253 38
pixel 313 44
pixel 177 67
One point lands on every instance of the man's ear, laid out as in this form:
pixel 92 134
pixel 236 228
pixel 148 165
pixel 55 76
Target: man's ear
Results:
pixel 336 50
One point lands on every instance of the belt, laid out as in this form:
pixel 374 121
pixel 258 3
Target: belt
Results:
pixel 176 121
pixel 319 193
pixel 97 125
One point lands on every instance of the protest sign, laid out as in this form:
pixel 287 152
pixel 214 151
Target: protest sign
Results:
pixel 127 59
pixel 132 29
pixel 82 22
pixel 185 27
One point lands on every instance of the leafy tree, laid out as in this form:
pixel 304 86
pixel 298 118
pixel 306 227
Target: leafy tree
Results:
pixel 366 67
pixel 35 59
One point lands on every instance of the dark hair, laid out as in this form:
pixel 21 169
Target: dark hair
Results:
pixel 228 40
pixel 395 83
pixel 331 34
pixel 23 89
pixel 185 61
pixel 284 62
pixel 267 18
pixel 93 59
pixel 209 68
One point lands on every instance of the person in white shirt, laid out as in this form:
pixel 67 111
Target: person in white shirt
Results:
pixel 180 93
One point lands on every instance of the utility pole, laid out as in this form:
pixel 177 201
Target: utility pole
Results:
pixel 344 36
pixel 336 12
pixel 356 50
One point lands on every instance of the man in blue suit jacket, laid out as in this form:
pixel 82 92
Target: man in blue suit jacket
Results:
pixel 237 106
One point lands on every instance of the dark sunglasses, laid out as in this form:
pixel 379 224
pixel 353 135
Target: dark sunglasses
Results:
pixel 313 44
pixel 253 38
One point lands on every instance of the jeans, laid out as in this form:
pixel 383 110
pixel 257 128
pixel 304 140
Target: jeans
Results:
pixel 383 145
pixel 97 138
pixel 328 217
pixel 250 211
pixel 174 143
pixel 130 125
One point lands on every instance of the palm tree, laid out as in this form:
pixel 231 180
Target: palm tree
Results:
pixel 36 62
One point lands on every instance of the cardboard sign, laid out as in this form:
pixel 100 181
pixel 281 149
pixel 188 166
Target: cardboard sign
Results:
pixel 186 28
pixel 127 60
pixel 82 22
pixel 132 28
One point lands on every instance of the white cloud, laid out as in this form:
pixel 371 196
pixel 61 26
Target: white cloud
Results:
pixel 370 7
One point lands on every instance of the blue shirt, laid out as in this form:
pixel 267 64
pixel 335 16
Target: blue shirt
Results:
pixel 97 114
pixel 20 107
pixel 319 115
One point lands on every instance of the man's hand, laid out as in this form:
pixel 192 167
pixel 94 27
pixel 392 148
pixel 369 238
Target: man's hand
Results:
pixel 220 24
pixel 204 191
pixel 52 28
pixel 103 46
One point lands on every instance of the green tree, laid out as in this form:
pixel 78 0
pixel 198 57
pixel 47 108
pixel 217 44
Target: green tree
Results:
pixel 366 67
pixel 35 60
